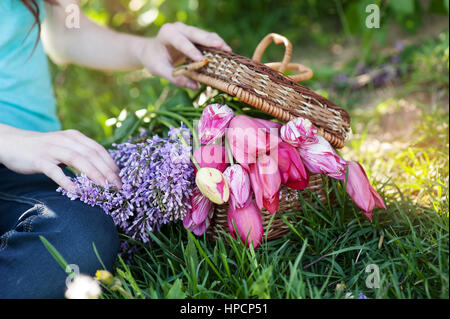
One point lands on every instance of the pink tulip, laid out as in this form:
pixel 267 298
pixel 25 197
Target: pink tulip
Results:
pixel 321 158
pixel 239 182
pixel 197 218
pixel 298 131
pixel 213 185
pixel 267 124
pixel 211 155
pixel 293 173
pixel 248 224
pixel 249 138
pixel 266 181
pixel 360 190
pixel 213 122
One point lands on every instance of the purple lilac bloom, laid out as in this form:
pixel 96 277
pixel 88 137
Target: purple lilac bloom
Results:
pixel 157 177
pixel 362 296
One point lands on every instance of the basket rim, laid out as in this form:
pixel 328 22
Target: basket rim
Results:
pixel 250 96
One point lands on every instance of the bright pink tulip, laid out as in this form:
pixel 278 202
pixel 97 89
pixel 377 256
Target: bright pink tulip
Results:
pixel 298 131
pixel 360 190
pixel 293 173
pixel 197 218
pixel 267 124
pixel 248 223
pixel 211 155
pixel 321 158
pixel 213 185
pixel 249 138
pixel 213 122
pixel 239 183
pixel 266 181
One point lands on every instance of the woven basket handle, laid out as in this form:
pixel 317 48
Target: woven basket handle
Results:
pixel 277 39
pixel 305 73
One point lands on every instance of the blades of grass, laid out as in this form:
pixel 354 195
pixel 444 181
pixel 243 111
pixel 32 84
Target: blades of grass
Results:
pixel 285 220
pixel 56 255
pixel 129 277
pixel 208 260
pixel 98 256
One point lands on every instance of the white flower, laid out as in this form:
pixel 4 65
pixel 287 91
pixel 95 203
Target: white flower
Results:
pixel 83 287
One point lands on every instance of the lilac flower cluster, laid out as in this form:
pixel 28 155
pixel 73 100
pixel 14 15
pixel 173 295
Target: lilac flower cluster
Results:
pixel 157 177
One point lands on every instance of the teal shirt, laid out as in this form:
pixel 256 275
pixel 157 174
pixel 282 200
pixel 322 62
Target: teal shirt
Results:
pixel 26 95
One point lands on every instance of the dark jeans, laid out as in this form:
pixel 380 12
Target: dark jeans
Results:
pixel 29 207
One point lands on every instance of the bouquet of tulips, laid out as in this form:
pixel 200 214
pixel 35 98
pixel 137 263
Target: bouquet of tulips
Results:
pixel 243 161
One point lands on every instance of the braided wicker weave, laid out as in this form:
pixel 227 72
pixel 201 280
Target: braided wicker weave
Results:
pixel 265 87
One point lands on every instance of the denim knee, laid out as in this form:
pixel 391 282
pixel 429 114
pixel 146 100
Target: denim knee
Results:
pixel 79 228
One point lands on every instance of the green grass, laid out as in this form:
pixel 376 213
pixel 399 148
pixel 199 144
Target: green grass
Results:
pixel 327 247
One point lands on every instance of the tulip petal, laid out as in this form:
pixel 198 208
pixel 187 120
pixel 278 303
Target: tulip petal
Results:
pixel 212 185
pixel 270 182
pixel 272 204
pixel 211 155
pixel 292 171
pixel 256 185
pixel 213 122
pixel 248 139
pixel 201 207
pixel 239 182
pixel 248 224
pixel 298 131
pixel 321 158
pixel 360 190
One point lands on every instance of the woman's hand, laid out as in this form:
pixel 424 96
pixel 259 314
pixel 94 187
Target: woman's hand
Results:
pixel 174 41
pixel 28 152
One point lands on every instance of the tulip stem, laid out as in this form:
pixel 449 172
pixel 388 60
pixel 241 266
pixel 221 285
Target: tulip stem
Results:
pixel 228 150
pixel 194 161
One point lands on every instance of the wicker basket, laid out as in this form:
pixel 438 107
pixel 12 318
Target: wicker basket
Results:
pixel 265 87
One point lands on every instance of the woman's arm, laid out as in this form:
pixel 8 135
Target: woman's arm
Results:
pixel 28 152
pixel 98 47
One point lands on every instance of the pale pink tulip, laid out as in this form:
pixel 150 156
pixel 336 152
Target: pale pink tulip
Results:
pixel 197 218
pixel 248 224
pixel 266 180
pixel 292 171
pixel 298 131
pixel 213 122
pixel 249 139
pixel 211 155
pixel 213 185
pixel 321 158
pixel 360 190
pixel 239 183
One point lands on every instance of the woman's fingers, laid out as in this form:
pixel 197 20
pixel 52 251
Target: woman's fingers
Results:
pixel 80 162
pixel 57 175
pixel 95 147
pixel 93 153
pixel 203 37
pixel 165 69
pixel 185 46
